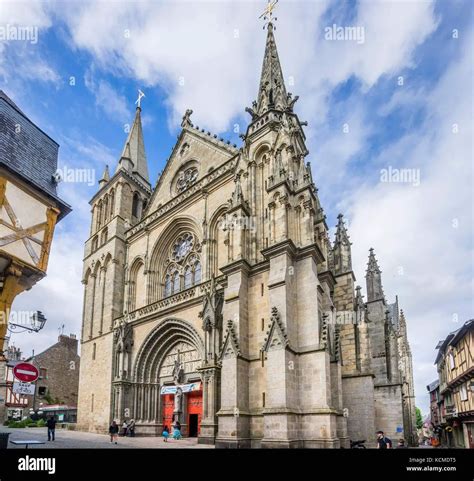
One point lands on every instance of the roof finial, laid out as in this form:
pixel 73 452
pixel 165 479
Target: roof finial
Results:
pixel 186 122
pixel 138 101
pixel 267 15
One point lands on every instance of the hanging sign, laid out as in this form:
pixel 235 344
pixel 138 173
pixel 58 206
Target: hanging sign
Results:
pixel 194 386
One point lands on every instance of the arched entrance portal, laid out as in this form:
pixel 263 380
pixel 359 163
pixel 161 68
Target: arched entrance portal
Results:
pixel 181 389
pixel 168 383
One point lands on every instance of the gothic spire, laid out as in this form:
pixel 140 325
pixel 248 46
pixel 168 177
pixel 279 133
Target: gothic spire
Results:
pixel 342 248
pixel 374 279
pixel 133 156
pixel 341 232
pixel 272 91
pixel 105 177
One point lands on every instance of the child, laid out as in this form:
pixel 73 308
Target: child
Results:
pixel 176 433
pixel 165 433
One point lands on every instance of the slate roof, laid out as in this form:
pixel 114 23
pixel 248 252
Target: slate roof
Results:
pixel 432 386
pixel 453 338
pixel 26 151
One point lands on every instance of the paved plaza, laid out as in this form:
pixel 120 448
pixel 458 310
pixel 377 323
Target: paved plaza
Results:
pixel 75 439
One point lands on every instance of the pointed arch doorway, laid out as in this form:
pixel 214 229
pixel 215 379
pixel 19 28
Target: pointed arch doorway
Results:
pixel 167 379
pixel 181 389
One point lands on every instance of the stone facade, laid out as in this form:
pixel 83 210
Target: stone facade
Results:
pixel 223 278
pixel 59 367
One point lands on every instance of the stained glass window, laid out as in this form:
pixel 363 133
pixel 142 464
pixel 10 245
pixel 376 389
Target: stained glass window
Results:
pixel 176 286
pixel 197 273
pixel 167 285
pixel 188 278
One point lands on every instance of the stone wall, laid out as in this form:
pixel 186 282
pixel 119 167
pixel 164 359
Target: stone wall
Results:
pixel 358 399
pixel 94 407
pixel 61 364
pixel 388 410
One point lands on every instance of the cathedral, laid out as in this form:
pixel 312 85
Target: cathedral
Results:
pixel 217 299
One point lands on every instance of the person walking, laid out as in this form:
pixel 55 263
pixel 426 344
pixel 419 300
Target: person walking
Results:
pixel 51 425
pixel 113 431
pixel 177 430
pixel 165 433
pixel 124 428
pixel 382 441
pixel 131 428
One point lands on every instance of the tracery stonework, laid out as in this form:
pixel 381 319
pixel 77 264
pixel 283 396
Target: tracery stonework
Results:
pixel 215 296
pixel 188 358
pixel 186 179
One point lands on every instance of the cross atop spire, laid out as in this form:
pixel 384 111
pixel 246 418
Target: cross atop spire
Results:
pixel 268 13
pixel 139 99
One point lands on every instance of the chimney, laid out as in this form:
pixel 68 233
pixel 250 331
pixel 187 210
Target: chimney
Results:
pixel 70 341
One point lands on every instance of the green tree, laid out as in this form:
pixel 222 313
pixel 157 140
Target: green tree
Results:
pixel 419 419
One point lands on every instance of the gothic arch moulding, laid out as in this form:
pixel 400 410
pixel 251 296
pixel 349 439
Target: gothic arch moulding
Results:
pixel 136 284
pixel 260 150
pixel 164 338
pixel 218 255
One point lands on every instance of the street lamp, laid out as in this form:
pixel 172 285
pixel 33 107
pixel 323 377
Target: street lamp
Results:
pixel 37 322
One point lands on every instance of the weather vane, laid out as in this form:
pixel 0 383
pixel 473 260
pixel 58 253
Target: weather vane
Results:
pixel 268 13
pixel 140 95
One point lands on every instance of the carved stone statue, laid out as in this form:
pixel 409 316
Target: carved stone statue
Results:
pixel 178 400
pixel 123 339
pixel 178 370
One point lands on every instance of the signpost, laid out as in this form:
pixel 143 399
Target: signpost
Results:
pixel 25 372
pixel 24 388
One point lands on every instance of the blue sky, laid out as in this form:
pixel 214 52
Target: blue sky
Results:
pixel 80 81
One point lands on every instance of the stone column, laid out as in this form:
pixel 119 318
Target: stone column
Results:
pixel 210 400
pixel 233 415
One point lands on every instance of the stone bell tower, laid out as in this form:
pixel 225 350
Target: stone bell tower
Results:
pixel 274 188
pixel 116 207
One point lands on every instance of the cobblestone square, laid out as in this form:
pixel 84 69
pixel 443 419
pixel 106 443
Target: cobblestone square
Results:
pixel 76 439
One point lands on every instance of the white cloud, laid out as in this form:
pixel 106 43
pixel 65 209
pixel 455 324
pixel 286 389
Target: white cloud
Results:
pixel 423 235
pixel 113 103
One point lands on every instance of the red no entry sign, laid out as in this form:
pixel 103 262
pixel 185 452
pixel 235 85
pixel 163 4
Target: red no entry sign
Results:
pixel 26 372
